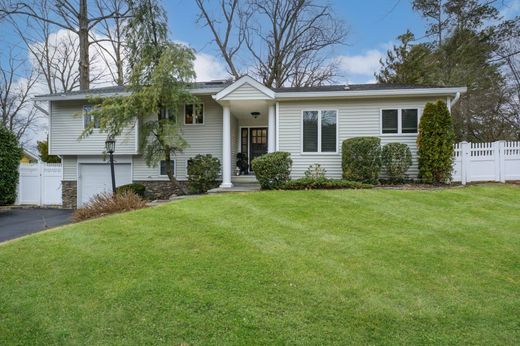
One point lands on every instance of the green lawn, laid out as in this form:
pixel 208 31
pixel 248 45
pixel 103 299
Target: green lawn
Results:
pixel 303 267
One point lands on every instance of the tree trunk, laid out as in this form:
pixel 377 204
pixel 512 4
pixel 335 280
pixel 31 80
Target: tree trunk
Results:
pixel 169 171
pixel 84 73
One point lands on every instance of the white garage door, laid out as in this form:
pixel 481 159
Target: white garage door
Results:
pixel 96 178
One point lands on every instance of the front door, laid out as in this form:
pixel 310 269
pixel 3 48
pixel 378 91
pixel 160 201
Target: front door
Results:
pixel 257 143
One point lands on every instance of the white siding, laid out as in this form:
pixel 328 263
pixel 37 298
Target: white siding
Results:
pixel 66 126
pixel 70 168
pixel 356 118
pixel 245 92
pixel 202 139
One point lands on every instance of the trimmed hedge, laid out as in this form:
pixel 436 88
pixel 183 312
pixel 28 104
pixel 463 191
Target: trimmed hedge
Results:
pixel 435 144
pixel 361 159
pixel 203 171
pixel 138 189
pixel 323 183
pixel 272 170
pixel 396 159
pixel 10 155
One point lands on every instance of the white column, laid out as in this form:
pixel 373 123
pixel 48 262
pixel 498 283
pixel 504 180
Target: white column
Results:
pixel 270 131
pixel 226 148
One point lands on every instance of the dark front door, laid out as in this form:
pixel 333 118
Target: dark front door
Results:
pixel 257 142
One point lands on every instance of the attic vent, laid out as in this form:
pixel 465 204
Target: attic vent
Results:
pixel 216 82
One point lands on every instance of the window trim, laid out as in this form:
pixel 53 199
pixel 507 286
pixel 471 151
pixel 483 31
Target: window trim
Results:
pixel 203 114
pixel 174 168
pixel 399 121
pixel 83 116
pixel 319 152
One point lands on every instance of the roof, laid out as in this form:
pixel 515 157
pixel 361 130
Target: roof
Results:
pixel 118 89
pixel 217 87
pixel 355 87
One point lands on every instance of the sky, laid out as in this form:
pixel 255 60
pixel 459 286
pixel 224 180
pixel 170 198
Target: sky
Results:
pixel 373 28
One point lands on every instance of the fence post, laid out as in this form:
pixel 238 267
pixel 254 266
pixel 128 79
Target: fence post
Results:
pixel 465 152
pixel 501 161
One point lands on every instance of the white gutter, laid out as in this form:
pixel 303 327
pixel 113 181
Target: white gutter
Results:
pixel 369 93
pixel 38 107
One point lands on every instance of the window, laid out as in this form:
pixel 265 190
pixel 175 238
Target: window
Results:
pixel 163 167
pixel 194 114
pixel 390 120
pixel 88 118
pixel 244 133
pixel 409 119
pixel 399 121
pixel 166 114
pixel 320 131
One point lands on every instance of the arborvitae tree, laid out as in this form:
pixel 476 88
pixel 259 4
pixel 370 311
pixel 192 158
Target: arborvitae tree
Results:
pixel 435 144
pixel 10 155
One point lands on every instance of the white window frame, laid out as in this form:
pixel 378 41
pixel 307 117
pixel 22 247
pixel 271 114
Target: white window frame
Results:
pixel 83 116
pixel 319 131
pixel 174 168
pixel 399 121
pixel 203 114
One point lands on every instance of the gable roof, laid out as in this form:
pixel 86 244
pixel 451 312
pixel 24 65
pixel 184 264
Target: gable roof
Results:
pixel 269 93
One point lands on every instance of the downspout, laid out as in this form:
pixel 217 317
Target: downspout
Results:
pixel 454 101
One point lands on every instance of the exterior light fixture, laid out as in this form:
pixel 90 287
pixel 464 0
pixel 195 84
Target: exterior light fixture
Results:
pixel 255 114
pixel 110 146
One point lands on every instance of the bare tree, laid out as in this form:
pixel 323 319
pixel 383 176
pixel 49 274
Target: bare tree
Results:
pixel 229 35
pixel 65 14
pixel 289 41
pixel 16 111
pixel 111 32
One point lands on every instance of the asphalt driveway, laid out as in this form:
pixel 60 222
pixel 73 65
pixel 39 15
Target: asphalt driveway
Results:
pixel 18 222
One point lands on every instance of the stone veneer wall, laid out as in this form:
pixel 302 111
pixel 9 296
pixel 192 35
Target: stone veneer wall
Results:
pixel 160 189
pixel 69 194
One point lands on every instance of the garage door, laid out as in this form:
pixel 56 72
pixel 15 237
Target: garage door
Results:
pixel 96 178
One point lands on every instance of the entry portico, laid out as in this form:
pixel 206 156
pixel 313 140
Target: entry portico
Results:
pixel 252 106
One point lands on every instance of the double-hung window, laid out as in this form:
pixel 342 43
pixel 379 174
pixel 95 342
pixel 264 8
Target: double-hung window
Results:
pixel 88 117
pixel 399 121
pixel 194 114
pixel 163 166
pixel 319 131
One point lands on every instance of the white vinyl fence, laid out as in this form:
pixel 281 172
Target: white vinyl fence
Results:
pixel 496 161
pixel 40 183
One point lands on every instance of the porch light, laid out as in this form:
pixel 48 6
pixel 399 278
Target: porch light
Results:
pixel 255 114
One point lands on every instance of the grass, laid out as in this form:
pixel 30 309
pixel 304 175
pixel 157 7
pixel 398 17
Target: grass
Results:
pixel 376 266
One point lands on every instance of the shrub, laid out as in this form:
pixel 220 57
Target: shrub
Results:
pixel 272 170
pixel 138 189
pixel 323 183
pixel 435 144
pixel 315 171
pixel 106 203
pixel 10 155
pixel 203 171
pixel 396 159
pixel 361 159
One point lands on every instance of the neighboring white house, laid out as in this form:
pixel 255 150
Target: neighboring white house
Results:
pixel 241 116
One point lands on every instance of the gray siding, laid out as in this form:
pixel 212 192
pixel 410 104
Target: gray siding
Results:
pixel 355 118
pixel 245 92
pixel 70 168
pixel 202 139
pixel 66 126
